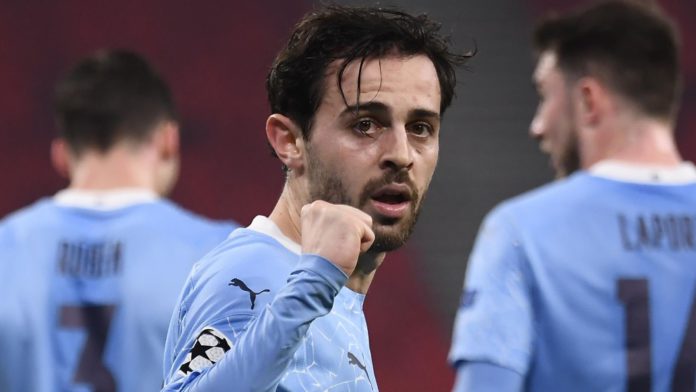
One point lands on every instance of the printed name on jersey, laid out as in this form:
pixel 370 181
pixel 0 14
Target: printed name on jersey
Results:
pixel 89 259
pixel 675 232
pixel 207 350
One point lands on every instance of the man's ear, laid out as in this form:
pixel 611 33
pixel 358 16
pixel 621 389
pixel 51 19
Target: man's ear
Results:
pixel 593 102
pixel 61 157
pixel 166 138
pixel 286 140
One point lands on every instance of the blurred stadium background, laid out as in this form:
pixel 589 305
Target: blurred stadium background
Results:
pixel 215 55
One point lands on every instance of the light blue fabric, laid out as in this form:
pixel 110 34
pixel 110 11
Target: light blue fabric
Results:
pixel 303 331
pixel 87 294
pixel 486 377
pixel 555 273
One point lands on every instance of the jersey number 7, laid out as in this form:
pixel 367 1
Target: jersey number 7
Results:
pixel 96 320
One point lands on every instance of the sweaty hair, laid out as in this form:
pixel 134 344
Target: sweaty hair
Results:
pixel 631 47
pixel 108 97
pixel 295 83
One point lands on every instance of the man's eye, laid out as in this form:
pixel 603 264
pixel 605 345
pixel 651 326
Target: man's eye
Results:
pixel 421 129
pixel 365 127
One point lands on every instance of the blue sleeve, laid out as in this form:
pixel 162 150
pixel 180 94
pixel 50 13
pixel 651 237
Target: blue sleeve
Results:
pixel 486 377
pixel 259 347
pixel 494 322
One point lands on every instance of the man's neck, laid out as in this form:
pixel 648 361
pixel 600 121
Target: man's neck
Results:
pixel 286 214
pixel 361 278
pixel 644 142
pixel 119 168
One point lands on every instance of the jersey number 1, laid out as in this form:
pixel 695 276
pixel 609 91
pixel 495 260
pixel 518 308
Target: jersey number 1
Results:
pixel 95 319
pixel 634 295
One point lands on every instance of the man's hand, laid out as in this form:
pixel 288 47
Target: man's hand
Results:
pixel 336 232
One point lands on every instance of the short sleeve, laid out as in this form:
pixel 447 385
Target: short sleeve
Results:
pixel 494 322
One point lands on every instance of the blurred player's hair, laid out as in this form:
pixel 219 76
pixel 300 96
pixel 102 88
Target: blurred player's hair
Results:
pixel 295 83
pixel 630 46
pixel 110 96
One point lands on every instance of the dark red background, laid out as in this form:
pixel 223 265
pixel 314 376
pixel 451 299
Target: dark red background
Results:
pixel 215 54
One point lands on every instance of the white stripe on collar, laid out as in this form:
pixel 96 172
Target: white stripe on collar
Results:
pixel 684 173
pixel 266 226
pixel 104 200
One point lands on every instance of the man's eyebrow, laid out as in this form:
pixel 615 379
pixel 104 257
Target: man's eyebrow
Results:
pixel 421 113
pixel 373 106
pixel 379 107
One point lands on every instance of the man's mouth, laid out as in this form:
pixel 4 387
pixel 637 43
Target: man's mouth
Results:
pixel 392 201
pixel 544 145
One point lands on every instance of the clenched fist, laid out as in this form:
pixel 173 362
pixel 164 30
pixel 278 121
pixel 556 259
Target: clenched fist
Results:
pixel 336 232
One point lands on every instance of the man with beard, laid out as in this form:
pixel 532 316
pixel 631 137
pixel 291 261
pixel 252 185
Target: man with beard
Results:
pixel 587 284
pixel 357 96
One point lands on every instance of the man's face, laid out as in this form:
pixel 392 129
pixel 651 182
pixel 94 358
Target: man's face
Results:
pixel 553 123
pixel 378 153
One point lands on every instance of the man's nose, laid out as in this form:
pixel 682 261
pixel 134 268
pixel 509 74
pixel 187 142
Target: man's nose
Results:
pixel 536 128
pixel 397 149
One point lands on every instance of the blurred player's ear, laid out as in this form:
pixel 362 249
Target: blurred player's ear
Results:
pixel 166 137
pixel 286 139
pixel 593 101
pixel 60 157
pixel 166 141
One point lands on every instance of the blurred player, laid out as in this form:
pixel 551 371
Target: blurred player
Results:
pixel 90 276
pixel 587 284
pixel 357 96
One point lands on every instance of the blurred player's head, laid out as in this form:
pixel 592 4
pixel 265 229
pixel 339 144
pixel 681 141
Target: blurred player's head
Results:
pixel 357 95
pixel 597 64
pixel 114 100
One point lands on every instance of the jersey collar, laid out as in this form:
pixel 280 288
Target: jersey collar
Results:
pixel 265 225
pixel 348 298
pixel 104 200
pixel 684 173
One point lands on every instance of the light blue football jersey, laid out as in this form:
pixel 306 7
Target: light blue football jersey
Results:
pixel 257 315
pixel 588 284
pixel 88 292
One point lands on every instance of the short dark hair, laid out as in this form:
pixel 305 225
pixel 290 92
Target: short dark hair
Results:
pixel 110 96
pixel 632 47
pixel 296 80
